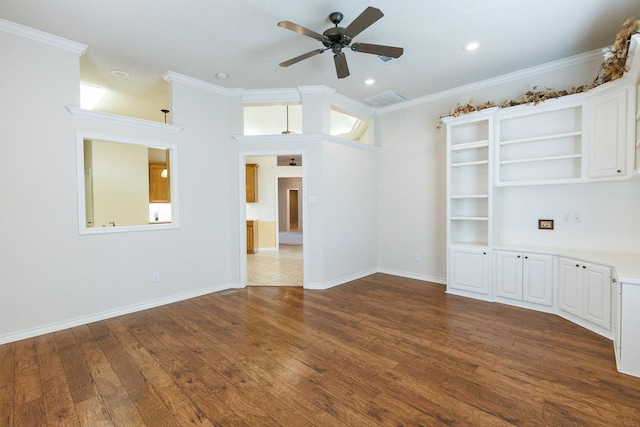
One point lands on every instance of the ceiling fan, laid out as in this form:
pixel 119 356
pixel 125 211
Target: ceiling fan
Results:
pixel 337 38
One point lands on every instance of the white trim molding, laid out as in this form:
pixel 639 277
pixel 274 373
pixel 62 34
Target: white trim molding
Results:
pixel 271 96
pixel 306 137
pixel 172 76
pixel 54 327
pixel 422 277
pixel 42 37
pixel 81 113
pixel 339 281
pixel 494 81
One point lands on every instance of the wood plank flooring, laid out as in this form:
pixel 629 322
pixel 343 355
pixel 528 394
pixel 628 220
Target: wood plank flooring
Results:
pixel 379 351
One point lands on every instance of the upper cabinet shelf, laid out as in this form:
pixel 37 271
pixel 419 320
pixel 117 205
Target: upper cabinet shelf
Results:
pixel 542 138
pixel 470 145
pixel 539 145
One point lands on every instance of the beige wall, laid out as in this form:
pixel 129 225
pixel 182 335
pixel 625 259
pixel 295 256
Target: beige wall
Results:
pixel 266 234
pixel 120 176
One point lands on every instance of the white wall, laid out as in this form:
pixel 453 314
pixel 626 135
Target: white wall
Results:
pixel 608 216
pixel 51 276
pixel 349 214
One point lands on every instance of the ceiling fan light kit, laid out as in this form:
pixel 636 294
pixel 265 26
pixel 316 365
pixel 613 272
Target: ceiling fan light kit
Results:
pixel 338 38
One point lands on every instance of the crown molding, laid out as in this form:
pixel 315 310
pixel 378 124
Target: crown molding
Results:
pixel 172 76
pixel 271 96
pixel 305 137
pixel 317 89
pixel 42 37
pixel 81 113
pixel 495 81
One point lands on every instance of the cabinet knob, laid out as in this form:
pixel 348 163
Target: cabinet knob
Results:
pixel 526 257
pixel 584 266
pixel 518 256
pixel 577 265
pixel 484 253
pixel 619 171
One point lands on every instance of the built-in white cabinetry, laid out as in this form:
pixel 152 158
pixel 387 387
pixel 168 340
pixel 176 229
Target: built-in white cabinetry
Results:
pixel 608 135
pixel 469 270
pixel 523 276
pixel 492 154
pixel 468 181
pixel 469 204
pixel 627 319
pixel 584 290
pixel 540 144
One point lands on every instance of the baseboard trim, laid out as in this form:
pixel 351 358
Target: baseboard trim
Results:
pixel 54 327
pixel 340 281
pixel 424 278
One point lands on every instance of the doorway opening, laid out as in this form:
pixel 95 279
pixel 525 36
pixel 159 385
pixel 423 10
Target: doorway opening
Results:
pixel 293 209
pixel 276 219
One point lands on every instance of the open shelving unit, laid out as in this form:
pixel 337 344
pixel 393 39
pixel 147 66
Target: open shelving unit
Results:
pixel 469 181
pixel 546 146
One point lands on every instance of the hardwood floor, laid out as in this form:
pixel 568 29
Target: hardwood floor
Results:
pixel 381 350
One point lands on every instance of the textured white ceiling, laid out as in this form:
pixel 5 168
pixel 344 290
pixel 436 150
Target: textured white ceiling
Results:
pixel 240 37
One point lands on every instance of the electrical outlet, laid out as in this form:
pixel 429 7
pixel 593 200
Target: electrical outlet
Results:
pixel 418 257
pixel 567 217
pixel 577 217
pixel 155 277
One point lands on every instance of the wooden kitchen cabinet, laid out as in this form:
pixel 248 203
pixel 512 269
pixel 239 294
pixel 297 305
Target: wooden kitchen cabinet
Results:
pixel 158 184
pixel 252 236
pixel 252 182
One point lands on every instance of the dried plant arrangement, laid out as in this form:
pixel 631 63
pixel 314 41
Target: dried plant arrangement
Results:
pixel 612 68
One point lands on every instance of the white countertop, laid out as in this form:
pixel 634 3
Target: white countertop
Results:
pixel 627 265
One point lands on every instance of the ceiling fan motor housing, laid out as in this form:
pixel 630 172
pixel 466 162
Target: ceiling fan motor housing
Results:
pixel 336 39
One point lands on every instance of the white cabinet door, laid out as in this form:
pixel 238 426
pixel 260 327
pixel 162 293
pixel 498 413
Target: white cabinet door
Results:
pixel 585 290
pixel 537 278
pixel 524 277
pixel 469 270
pixel 508 274
pixel 596 294
pixel 607 136
pixel 570 286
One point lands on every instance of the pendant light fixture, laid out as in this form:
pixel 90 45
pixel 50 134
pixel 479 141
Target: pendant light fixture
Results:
pixel 288 132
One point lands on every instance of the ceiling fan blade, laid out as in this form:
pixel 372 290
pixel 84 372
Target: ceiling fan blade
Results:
pixel 301 30
pixel 363 21
pixel 301 57
pixel 377 49
pixel 342 69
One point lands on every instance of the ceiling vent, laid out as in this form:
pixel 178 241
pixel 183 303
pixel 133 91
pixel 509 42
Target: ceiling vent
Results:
pixel 385 98
pixel 384 59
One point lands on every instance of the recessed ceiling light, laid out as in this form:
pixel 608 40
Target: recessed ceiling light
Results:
pixel 222 76
pixel 120 73
pixel 369 82
pixel 471 46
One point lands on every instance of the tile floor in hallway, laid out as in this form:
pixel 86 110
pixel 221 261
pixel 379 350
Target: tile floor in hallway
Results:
pixel 276 268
